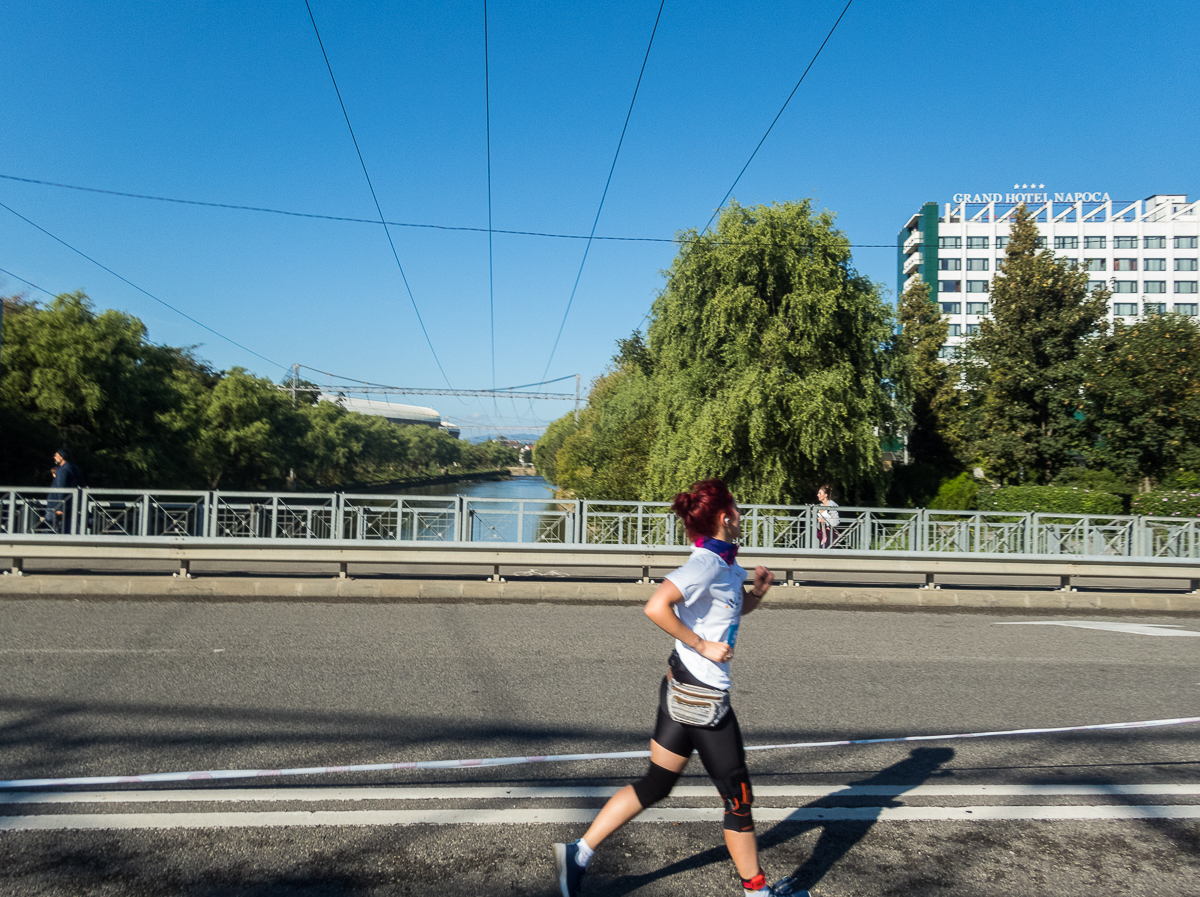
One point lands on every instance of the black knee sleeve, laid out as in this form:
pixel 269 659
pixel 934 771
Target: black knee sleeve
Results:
pixel 654 785
pixel 738 800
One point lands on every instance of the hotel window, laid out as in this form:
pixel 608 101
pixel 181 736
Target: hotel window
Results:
pixel 951 308
pixel 977 308
pixel 1154 308
pixel 972 328
pixel 1185 308
pixel 1094 285
pixel 1154 265
pixel 1070 261
pixel 1126 286
pixel 1001 242
pixel 1095 265
pixel 1185 264
pixel 977 286
pixel 1125 242
pixel 949 286
pixel 948 352
pixel 1041 242
pixel 1185 242
pixel 949 242
pixel 999 262
pixel 1095 242
pixel 1066 242
pixel 977 242
pixel 1155 243
pixel 954 330
pixel 1124 264
pixel 1154 286
pixel 977 264
pixel 949 264
pixel 1185 286
pixel 1125 309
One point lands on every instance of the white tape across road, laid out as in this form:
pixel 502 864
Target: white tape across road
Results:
pixel 215 774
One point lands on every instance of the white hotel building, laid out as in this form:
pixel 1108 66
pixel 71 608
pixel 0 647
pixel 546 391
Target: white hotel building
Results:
pixel 1144 251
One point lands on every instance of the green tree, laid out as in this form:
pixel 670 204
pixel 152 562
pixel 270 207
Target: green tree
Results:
pixel 1026 363
pixel 771 360
pixel 929 380
pixel 1142 398
pixel 95 382
pixel 607 456
pixel 545 450
pixel 250 434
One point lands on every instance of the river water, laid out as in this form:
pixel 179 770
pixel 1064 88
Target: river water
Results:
pixel 516 487
pixel 525 511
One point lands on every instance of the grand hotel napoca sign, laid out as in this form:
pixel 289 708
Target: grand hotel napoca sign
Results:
pixel 1029 197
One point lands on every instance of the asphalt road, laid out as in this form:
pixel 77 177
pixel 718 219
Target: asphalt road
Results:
pixel 123 688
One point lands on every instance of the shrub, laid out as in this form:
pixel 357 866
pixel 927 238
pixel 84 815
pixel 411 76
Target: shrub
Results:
pixel 957 494
pixel 1049 500
pixel 1185 503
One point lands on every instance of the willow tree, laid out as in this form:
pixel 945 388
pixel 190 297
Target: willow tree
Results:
pixel 772 360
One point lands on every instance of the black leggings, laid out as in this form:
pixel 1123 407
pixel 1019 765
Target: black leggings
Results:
pixel 721 749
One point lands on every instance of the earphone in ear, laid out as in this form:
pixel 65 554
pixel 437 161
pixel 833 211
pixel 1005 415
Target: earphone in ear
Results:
pixel 727 521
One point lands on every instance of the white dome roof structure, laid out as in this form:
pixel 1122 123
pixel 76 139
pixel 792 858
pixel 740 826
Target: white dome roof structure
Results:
pixel 393 413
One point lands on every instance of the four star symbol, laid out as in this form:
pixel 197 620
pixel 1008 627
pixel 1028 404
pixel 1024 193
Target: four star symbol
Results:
pixel 1027 186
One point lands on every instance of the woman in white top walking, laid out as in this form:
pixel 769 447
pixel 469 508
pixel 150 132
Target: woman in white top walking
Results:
pixel 700 605
pixel 828 518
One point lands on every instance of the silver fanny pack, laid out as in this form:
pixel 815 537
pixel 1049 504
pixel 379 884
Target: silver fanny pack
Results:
pixel 695 705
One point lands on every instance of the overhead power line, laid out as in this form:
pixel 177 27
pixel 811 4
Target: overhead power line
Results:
pixel 373 221
pixel 777 116
pixel 604 195
pixel 378 208
pixel 139 289
pixel 487 111
pixel 27 282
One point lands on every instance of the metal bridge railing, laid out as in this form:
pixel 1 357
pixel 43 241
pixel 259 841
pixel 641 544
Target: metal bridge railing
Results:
pixel 46 512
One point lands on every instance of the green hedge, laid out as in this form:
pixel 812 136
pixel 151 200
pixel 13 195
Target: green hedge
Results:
pixel 1168 504
pixel 1049 500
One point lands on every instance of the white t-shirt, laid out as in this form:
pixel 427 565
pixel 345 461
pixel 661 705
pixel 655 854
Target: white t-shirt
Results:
pixel 711 608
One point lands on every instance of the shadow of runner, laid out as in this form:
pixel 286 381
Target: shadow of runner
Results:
pixel 838 837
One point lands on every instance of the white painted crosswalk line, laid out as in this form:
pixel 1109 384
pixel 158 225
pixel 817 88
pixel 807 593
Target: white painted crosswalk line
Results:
pixel 381 793
pixel 557 816
pixel 1131 628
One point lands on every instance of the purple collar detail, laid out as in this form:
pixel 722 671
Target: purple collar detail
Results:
pixel 726 551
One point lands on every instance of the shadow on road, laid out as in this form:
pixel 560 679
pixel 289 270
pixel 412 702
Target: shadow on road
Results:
pixel 837 838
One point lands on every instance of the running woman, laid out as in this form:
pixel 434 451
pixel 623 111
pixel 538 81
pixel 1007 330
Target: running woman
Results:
pixel 700 605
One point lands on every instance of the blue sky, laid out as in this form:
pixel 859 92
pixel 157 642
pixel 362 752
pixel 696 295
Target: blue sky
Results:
pixel 232 103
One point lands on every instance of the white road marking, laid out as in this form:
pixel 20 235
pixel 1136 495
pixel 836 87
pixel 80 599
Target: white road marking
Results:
pixel 88 650
pixel 126 821
pixel 1132 628
pixel 408 793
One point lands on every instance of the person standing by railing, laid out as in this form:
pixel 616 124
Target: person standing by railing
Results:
pixel 701 605
pixel 828 519
pixel 59 504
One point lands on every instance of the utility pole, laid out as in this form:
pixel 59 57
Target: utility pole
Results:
pixel 295 383
pixel 576 398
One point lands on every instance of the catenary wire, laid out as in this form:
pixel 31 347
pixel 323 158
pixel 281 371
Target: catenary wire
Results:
pixel 372 221
pixel 487 109
pixel 309 367
pixel 378 208
pixel 777 116
pixel 28 282
pixel 604 195
pixel 139 289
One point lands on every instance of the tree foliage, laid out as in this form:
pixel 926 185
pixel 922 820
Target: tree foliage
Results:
pixel 141 415
pixel 769 363
pixel 1026 365
pixel 1142 397
pixel 771 356
pixel 932 398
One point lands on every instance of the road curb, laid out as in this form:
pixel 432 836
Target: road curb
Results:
pixel 155 588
